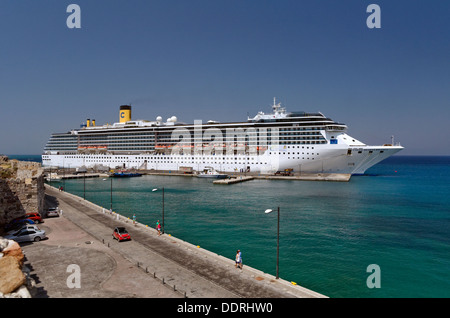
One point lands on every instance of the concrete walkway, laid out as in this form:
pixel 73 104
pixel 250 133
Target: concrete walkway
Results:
pixel 147 266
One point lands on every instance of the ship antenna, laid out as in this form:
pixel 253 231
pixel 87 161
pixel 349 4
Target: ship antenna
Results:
pixel 275 106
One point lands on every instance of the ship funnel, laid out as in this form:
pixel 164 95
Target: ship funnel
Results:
pixel 88 122
pixel 125 113
pixel 93 122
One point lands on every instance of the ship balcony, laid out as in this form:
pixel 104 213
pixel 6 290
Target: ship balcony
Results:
pixel 336 128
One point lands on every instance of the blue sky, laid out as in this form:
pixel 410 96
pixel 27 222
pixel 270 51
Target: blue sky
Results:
pixel 222 60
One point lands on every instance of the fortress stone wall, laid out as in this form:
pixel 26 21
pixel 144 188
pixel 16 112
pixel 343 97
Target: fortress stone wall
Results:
pixel 21 189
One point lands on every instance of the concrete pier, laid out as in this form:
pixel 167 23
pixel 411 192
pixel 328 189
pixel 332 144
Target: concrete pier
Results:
pixel 233 177
pixel 58 177
pixel 233 180
pixel 336 177
pixel 185 269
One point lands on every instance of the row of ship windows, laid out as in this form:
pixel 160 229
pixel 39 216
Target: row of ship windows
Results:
pixel 183 158
pixel 198 161
pixel 286 141
pixel 284 131
pixel 61 144
pixel 179 162
pixel 288 153
pixel 288 147
pixel 247 139
pixel 300 128
pixel 225 140
pixel 283 140
pixel 96 139
pixel 312 142
pixel 143 145
pixel 161 158
pixel 165 136
pixel 150 146
pixel 160 133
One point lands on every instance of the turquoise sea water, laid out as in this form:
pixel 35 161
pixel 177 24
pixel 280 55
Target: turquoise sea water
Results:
pixel 397 216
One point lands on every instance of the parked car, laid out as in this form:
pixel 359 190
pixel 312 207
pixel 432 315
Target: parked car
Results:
pixel 17 224
pixel 27 235
pixel 121 234
pixel 36 217
pixel 52 212
pixel 23 226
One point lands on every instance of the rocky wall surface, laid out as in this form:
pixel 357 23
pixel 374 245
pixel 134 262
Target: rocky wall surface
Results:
pixel 15 281
pixel 21 189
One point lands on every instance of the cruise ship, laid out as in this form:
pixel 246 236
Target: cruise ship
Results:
pixel 299 142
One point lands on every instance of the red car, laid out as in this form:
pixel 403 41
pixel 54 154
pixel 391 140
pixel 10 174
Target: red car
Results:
pixel 121 234
pixel 36 217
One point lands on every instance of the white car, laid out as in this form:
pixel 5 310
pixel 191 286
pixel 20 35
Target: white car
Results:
pixel 52 212
pixel 27 235
pixel 25 226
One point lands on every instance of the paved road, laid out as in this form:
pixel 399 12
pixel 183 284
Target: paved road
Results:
pixel 138 267
pixel 103 272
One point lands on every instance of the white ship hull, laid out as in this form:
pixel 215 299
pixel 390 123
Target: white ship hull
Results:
pixel 323 159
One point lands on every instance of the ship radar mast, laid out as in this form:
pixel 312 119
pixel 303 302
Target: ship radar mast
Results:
pixel 277 109
pixel 278 112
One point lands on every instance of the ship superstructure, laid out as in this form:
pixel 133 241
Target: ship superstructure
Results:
pixel 267 143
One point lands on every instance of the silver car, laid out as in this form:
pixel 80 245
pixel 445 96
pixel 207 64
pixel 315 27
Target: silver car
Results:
pixel 51 212
pixel 25 226
pixel 27 235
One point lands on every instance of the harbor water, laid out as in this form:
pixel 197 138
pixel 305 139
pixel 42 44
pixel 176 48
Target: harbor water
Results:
pixel 397 216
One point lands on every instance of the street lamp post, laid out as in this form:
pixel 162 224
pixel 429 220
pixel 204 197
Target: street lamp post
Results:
pixel 278 239
pixel 111 195
pixel 64 177
pixel 162 227
pixel 68 171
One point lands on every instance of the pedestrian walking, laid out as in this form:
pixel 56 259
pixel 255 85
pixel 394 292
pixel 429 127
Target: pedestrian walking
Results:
pixel 158 227
pixel 134 219
pixel 238 259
